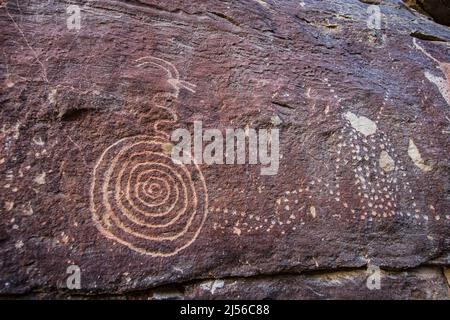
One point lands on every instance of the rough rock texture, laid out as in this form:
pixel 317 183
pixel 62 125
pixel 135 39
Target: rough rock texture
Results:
pixel 423 283
pixel 364 176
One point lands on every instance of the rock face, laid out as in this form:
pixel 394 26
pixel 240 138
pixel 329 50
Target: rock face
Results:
pixel 92 92
pixel 438 10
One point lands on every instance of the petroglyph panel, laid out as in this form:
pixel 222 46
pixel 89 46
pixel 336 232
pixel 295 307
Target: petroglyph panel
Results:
pixel 87 115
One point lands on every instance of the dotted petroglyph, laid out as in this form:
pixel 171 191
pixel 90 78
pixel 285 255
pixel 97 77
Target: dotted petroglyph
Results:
pixel 380 184
pixel 366 163
pixel 379 177
pixel 242 223
pixel 375 166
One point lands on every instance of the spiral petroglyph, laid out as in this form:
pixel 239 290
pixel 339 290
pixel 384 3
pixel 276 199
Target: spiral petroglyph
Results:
pixel 139 197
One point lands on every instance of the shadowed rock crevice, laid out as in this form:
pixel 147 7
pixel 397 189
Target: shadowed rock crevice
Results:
pixel 438 10
pixel 418 283
pixel 426 37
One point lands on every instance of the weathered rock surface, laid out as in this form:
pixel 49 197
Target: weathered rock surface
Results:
pixel 423 283
pixel 364 175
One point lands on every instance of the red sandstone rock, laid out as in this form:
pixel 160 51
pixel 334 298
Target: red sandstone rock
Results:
pixel 364 120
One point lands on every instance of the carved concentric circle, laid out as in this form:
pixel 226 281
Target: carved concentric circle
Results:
pixel 144 201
